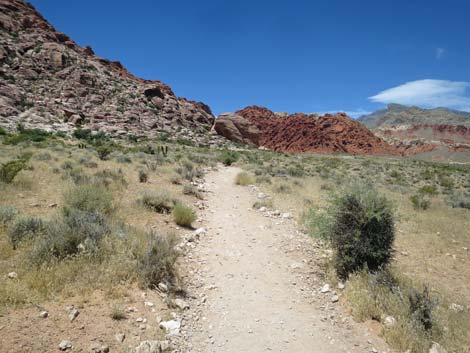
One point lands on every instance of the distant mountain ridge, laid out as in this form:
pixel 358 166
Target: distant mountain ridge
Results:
pixel 397 114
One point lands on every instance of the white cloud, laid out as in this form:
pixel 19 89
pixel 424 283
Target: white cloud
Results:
pixel 440 52
pixel 428 93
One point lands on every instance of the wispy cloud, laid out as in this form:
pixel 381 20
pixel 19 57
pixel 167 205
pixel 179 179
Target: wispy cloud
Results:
pixel 428 93
pixel 440 53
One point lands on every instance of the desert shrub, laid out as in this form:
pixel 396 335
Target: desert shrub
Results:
pixel 73 232
pixel 282 188
pixel 263 203
pixel 24 229
pixel 421 307
pixel 88 198
pixel 263 179
pixel 117 313
pixel 188 171
pixel 176 179
pixel 104 151
pixel 44 156
pixel 67 165
pixel 428 190
pixel 7 214
pixel 3 132
pixel 26 135
pixel 296 171
pixel 385 293
pixel 420 202
pixel 143 177
pixel 189 189
pixel 158 201
pixel 122 158
pixel 228 157
pixel 107 177
pixel 460 201
pixel 446 182
pixel 158 263
pixel 243 178
pixel 183 215
pixel 9 170
pixel 359 224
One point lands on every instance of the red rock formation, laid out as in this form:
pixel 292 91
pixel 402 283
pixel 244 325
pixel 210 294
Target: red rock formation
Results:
pixel 300 133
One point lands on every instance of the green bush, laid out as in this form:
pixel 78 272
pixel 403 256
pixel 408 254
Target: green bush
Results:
pixel 24 229
pixel 296 171
pixel 158 201
pixel 420 202
pixel 104 152
pixel 88 198
pixel 9 170
pixel 3 132
pixel 7 214
pixel 229 157
pixel 428 189
pixel 183 215
pixel 26 135
pixel 157 265
pixel 143 177
pixel 359 224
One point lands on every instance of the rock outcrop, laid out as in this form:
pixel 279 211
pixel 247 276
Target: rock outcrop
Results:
pixel 300 133
pixel 50 82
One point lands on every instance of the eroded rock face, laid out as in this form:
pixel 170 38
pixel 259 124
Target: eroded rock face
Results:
pixel 45 73
pixel 300 133
pixel 238 129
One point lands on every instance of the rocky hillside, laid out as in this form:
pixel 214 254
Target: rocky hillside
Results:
pixel 50 82
pixel 300 133
pixel 396 114
pixel 437 134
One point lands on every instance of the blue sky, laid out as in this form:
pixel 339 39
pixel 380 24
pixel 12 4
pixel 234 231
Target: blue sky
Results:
pixel 294 56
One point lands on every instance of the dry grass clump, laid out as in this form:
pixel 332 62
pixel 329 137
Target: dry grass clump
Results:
pixel 159 201
pixel 419 317
pixel 183 215
pixel 243 178
pixel 192 190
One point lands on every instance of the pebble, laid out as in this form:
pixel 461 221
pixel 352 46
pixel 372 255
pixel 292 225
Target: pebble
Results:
pixel 43 314
pixel 12 275
pixel 120 337
pixel 325 288
pixel 64 345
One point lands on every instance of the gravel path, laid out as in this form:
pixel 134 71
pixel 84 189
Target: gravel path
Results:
pixel 256 284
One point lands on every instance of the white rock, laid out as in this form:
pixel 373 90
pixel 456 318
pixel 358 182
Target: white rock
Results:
pixel 200 231
pixel 150 304
pixel 43 314
pixel 325 288
pixel 437 348
pixel 341 285
pixel 390 321
pixel 334 298
pixel 150 347
pixel 120 337
pixel 286 215
pixel 64 345
pixel 456 307
pixel 73 314
pixel 181 304
pixel 263 209
pixel 172 327
pixel 12 275
pixel 261 195
pixel 163 287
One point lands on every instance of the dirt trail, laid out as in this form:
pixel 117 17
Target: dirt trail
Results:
pixel 256 284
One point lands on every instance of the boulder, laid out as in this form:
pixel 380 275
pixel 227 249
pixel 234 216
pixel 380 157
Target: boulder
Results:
pixel 236 128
